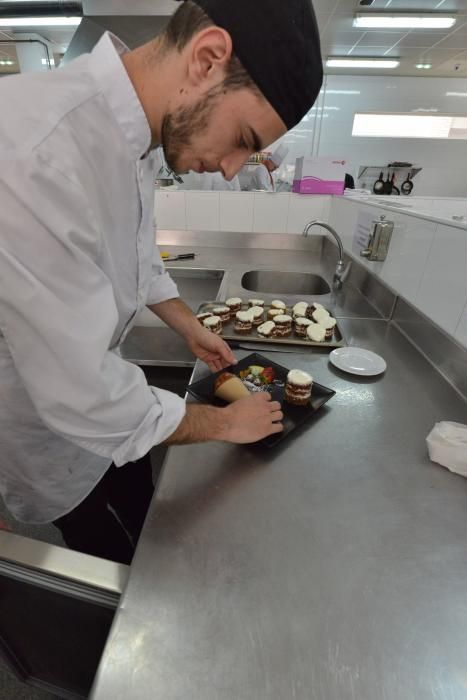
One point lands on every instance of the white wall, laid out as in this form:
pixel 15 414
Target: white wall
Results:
pixel 425 263
pixel 238 211
pixel 443 162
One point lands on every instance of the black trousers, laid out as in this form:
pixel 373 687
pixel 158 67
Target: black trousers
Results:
pixel 108 522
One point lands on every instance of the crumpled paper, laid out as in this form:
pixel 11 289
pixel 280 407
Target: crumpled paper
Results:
pixel 447 445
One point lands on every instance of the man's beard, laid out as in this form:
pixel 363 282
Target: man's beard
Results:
pixel 178 128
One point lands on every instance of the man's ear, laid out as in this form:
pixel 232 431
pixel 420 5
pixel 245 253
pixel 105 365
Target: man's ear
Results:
pixel 209 55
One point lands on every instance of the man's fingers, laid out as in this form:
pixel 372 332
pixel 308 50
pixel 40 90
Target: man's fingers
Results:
pixel 277 416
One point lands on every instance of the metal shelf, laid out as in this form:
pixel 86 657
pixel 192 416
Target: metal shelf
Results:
pixel 374 170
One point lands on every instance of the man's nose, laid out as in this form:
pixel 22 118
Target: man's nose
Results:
pixel 231 164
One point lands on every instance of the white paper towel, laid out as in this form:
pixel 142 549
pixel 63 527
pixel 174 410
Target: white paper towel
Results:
pixel 447 445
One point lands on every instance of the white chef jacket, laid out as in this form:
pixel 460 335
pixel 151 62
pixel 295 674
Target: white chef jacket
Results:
pixel 261 179
pixel 77 262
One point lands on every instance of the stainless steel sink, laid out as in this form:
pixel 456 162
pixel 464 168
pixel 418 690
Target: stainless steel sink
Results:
pixel 277 282
pixel 196 284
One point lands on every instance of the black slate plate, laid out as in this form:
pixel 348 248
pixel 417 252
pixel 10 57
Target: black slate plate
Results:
pixel 294 416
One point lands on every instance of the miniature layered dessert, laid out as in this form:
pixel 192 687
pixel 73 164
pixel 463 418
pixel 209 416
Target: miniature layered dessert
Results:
pixel 277 304
pixel 298 387
pixel 315 333
pixel 223 312
pixel 267 330
pixel 230 388
pixel 243 322
pixel 213 324
pixel 283 325
pixel 257 314
pixel 234 304
pixel 255 302
pixel 202 317
pixel 329 325
pixel 301 325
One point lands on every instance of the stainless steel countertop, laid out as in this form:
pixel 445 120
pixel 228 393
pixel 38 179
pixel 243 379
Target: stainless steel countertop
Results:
pixel 332 568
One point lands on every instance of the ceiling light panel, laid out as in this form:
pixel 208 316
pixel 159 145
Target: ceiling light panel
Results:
pixel 376 20
pixel 40 21
pixel 335 62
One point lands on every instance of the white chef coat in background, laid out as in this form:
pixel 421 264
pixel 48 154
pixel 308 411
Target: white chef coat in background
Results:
pixel 216 181
pixel 261 179
pixel 77 263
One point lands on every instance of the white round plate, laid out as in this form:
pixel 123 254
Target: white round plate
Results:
pixel 358 361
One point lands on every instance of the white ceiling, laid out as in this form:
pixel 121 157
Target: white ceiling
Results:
pixel 444 49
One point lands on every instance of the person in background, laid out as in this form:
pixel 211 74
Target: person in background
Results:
pixel 78 259
pixel 261 177
pixel 216 181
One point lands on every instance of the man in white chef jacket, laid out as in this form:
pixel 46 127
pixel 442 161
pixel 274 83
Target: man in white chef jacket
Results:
pixel 261 178
pixel 78 259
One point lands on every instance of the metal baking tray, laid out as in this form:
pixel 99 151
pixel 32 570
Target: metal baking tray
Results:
pixel 228 332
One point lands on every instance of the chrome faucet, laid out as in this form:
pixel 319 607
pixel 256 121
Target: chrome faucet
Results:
pixel 341 270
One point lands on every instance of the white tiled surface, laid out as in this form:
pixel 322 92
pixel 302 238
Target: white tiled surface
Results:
pixel 343 218
pixel 408 254
pixel 304 208
pixel 271 212
pixel 442 294
pixel 169 209
pixel 425 265
pixel 236 211
pixel 202 211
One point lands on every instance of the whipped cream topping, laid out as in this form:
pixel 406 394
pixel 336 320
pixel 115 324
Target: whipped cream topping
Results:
pixel 328 323
pixel 212 321
pixel 300 378
pixel 256 311
pixel 244 316
pixel 320 314
pixel 266 328
pixel 316 333
pixel 300 308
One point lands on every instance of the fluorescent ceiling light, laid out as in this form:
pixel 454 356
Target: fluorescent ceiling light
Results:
pixel 376 20
pixel 456 94
pixel 423 66
pixel 40 21
pixel 45 62
pixel 409 126
pixel 361 63
pixel 343 92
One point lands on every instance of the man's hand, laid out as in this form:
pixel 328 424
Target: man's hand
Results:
pixel 248 420
pixel 253 418
pixel 211 349
pixel 205 345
